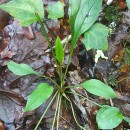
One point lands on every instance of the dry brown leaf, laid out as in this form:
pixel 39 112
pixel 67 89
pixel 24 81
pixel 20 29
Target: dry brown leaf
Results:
pixel 119 55
pixel 125 68
pixel 2 127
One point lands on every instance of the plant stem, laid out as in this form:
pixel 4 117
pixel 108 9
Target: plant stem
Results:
pixel 74 40
pixel 61 76
pixel 45 111
pixel 55 111
pixel 47 38
pixel 75 117
pixel 85 98
pixel 58 114
pixel 74 114
pixel 43 30
pixel 46 35
pixel 66 40
pixel 50 79
pixel 67 67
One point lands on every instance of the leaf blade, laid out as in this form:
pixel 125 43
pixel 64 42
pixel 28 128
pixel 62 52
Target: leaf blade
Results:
pixel 20 69
pixel 87 15
pixel 38 96
pixel 24 10
pixel 56 10
pixel 128 4
pixel 59 51
pixel 108 117
pixel 98 88
pixel 127 120
pixel 74 6
pixel 99 33
pixel 83 17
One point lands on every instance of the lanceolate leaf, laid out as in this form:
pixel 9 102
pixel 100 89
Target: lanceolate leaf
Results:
pixel 38 96
pixel 56 10
pixel 74 6
pixel 59 51
pixel 20 69
pixel 82 18
pixel 96 37
pixel 98 88
pixel 128 4
pixel 108 117
pixel 24 10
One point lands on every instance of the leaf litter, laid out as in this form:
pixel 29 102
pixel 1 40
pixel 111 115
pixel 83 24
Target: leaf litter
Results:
pixel 27 45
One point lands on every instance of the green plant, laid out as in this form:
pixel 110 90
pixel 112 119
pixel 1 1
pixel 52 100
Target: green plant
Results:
pixel 128 4
pixel 82 16
pixel 127 56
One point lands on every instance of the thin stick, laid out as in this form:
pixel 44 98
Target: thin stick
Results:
pixel 73 42
pixel 85 98
pixel 75 117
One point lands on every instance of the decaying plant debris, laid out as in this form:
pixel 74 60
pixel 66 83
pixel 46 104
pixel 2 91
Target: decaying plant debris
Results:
pixel 27 45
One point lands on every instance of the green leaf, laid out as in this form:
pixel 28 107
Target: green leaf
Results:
pixel 38 96
pixel 127 120
pixel 108 117
pixel 56 10
pixel 74 6
pixel 59 51
pixel 128 4
pixel 20 69
pixel 98 88
pixel 24 10
pixel 96 37
pixel 82 18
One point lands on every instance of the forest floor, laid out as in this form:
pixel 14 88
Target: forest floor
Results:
pixel 27 45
